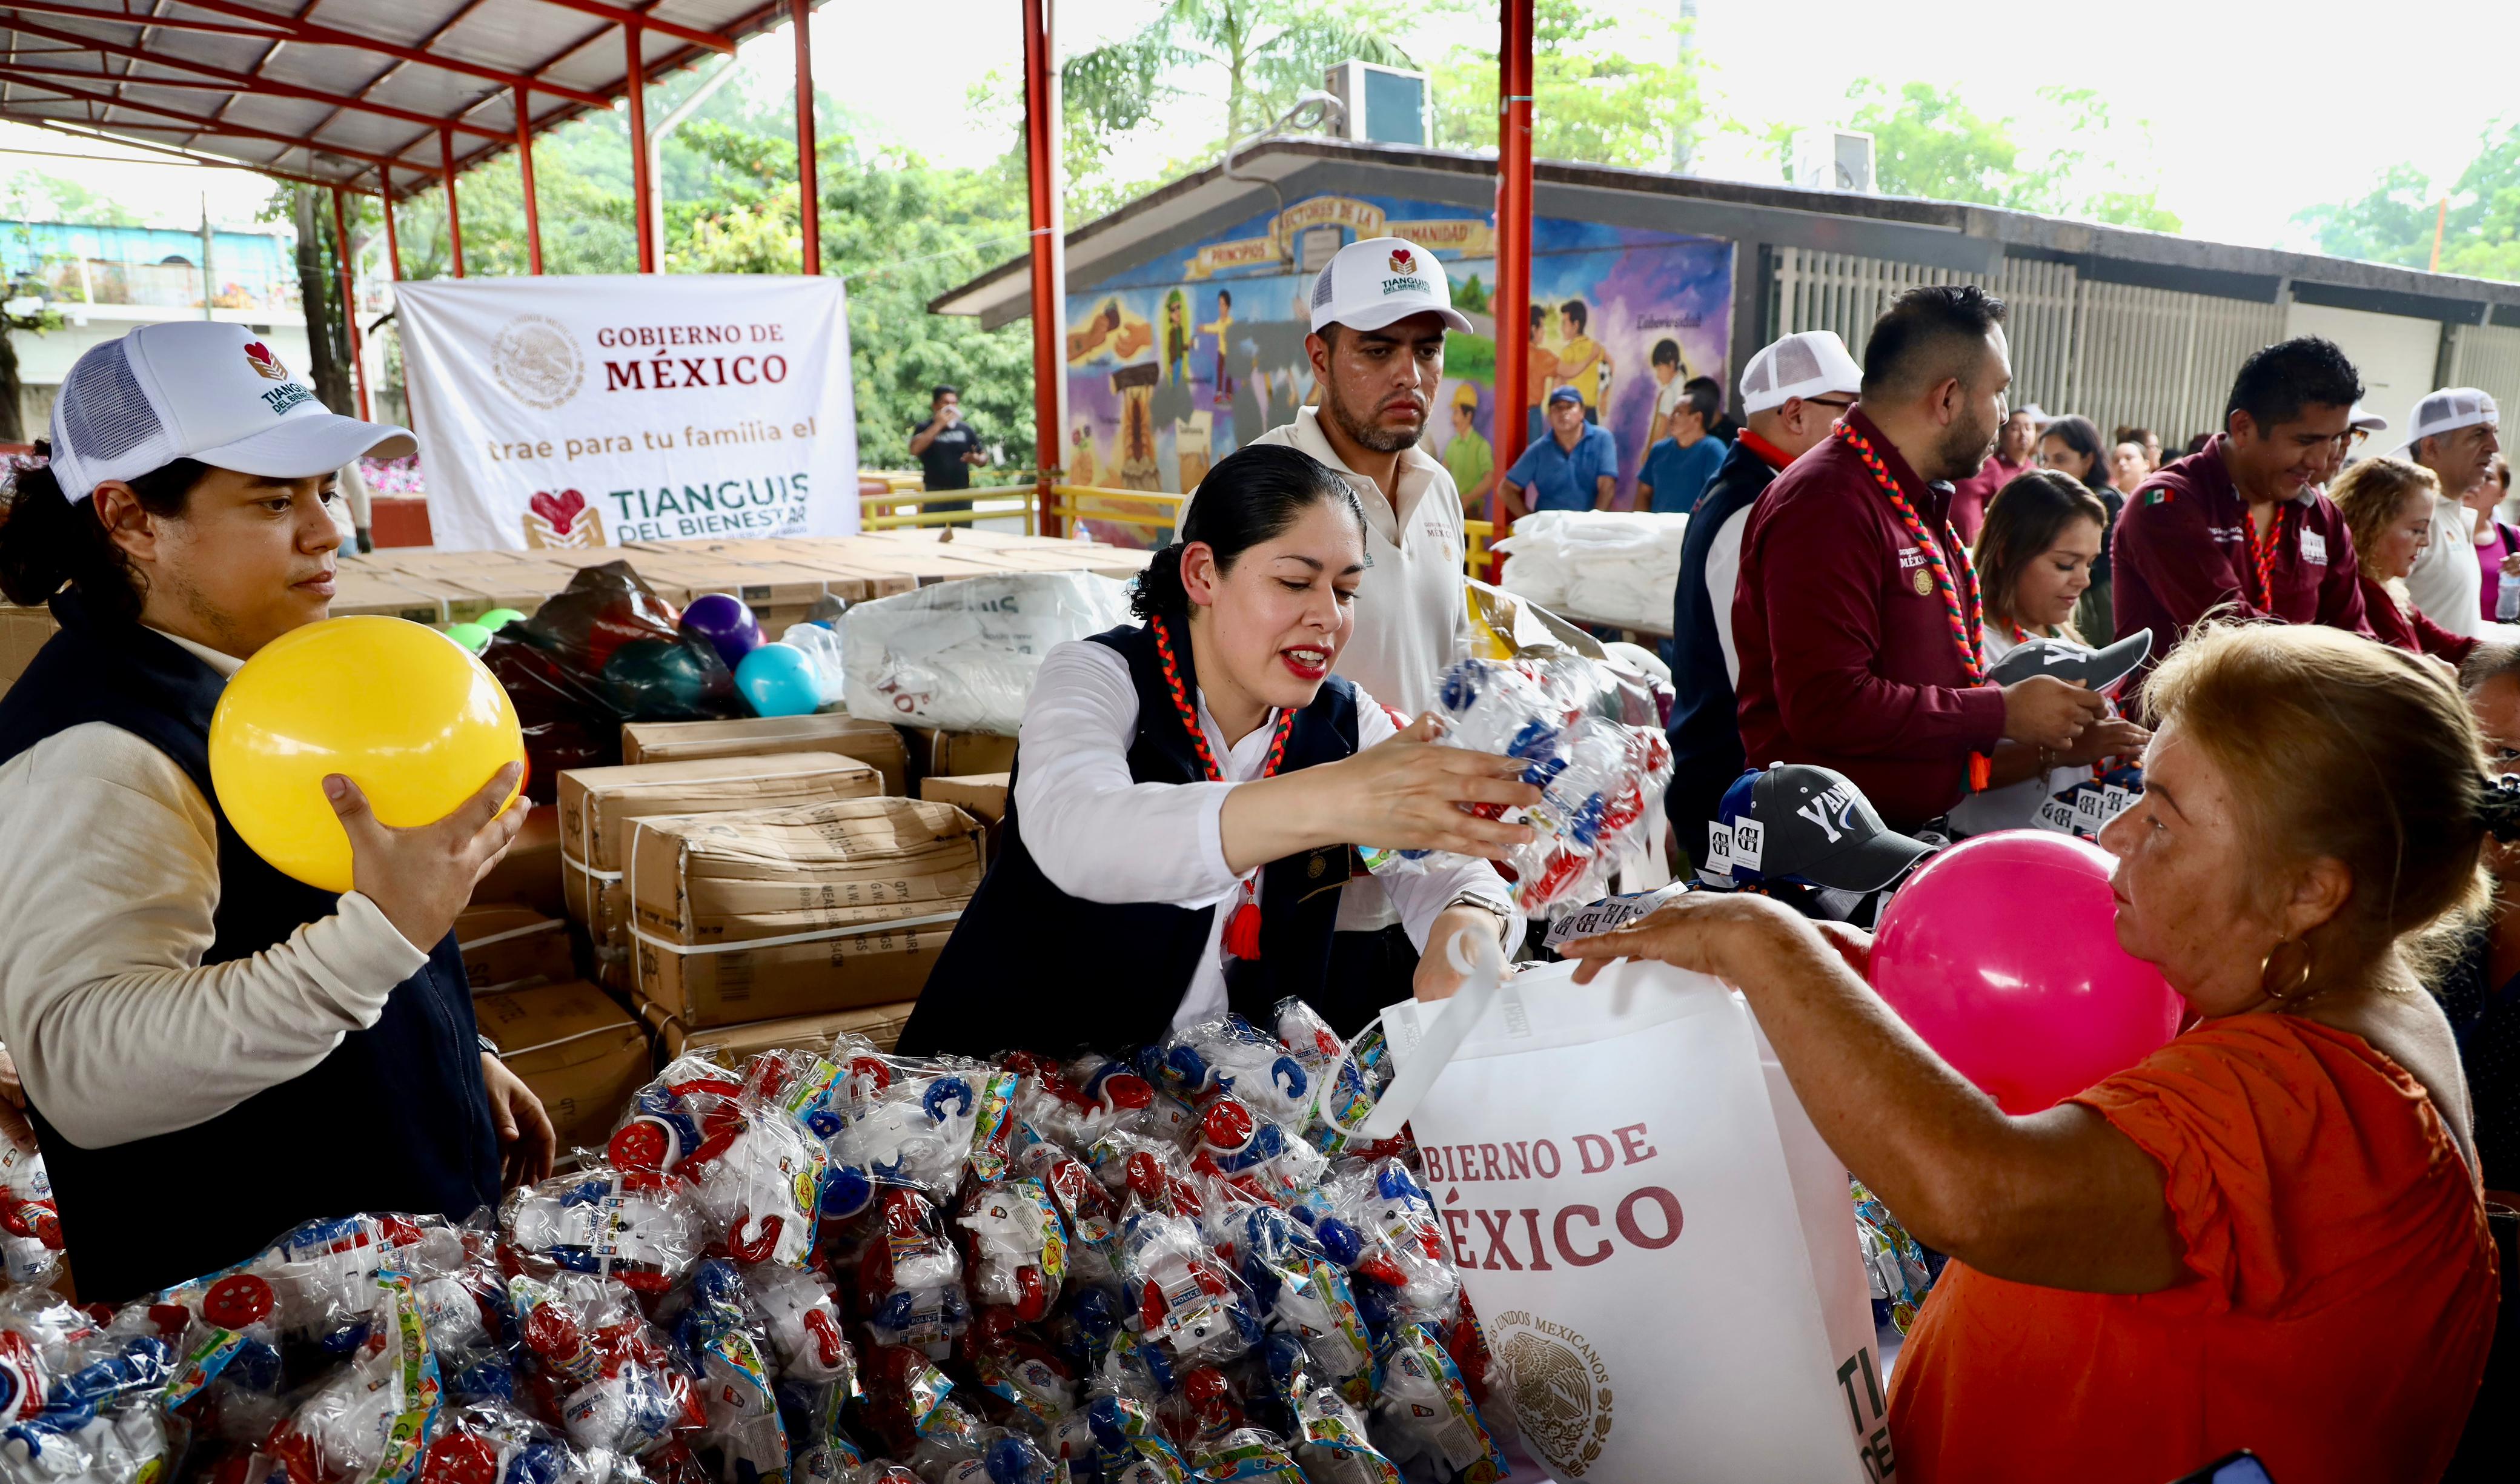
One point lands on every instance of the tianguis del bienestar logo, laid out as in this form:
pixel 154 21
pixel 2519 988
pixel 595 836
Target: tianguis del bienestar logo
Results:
pixel 1403 260
pixel 266 364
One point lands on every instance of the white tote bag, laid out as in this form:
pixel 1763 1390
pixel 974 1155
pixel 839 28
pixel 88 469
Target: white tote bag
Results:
pixel 1660 1249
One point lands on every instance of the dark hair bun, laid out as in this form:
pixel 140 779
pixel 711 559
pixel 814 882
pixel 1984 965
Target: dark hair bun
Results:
pixel 1158 589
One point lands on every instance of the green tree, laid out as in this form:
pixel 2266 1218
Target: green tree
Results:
pixel 1267 50
pixel 1590 102
pixel 2394 222
pixel 1928 142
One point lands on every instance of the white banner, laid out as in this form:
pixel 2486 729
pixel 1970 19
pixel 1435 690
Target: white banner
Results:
pixel 599 410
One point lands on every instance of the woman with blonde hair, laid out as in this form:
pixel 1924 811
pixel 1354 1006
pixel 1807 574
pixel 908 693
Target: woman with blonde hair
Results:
pixel 2269 1233
pixel 2388 506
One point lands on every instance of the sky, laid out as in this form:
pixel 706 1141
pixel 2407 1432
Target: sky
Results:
pixel 2257 108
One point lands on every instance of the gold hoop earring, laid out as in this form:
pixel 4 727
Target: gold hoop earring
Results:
pixel 2295 992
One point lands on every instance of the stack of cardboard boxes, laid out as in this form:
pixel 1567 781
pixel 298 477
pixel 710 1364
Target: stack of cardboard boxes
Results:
pixel 734 885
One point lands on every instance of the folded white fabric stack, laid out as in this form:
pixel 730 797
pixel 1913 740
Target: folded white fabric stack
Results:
pixel 1612 565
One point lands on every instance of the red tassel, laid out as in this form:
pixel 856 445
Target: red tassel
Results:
pixel 1242 929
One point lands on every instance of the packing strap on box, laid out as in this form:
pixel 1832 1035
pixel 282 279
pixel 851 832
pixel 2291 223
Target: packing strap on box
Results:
pixel 547 925
pixel 613 1028
pixel 783 941
pixel 586 817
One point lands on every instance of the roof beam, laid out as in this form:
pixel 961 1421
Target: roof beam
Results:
pixel 222 79
pixel 145 23
pixel 314 34
pixel 69 130
pixel 710 40
pixel 194 122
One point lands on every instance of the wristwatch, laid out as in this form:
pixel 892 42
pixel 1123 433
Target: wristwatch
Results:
pixel 1506 921
pixel 489 1048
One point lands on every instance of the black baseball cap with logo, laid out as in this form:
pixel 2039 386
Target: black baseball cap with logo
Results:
pixel 1796 822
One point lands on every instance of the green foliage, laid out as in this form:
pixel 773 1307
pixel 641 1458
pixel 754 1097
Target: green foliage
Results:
pixel 2394 222
pixel 1590 102
pixel 1927 141
pixel 32 194
pixel 898 230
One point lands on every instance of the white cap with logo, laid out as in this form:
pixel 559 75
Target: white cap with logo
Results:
pixel 1808 363
pixel 199 389
pixel 1380 281
pixel 2447 411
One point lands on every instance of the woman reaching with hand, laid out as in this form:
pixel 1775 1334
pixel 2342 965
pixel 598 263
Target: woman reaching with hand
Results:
pixel 1189 790
pixel 2269 1234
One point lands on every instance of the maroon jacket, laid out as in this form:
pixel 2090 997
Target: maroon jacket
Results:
pixel 2182 551
pixel 1971 496
pixel 1845 661
pixel 2395 624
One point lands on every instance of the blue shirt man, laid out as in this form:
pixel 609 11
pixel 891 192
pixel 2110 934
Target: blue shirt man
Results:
pixel 1675 476
pixel 1575 468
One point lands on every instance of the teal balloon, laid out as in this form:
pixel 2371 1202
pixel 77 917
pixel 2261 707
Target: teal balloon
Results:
pixel 780 680
pixel 662 679
pixel 499 618
pixel 471 636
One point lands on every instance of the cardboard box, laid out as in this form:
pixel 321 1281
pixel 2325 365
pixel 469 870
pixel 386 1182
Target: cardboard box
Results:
pixel 22 632
pixel 580 1052
pixel 597 807
pixel 529 874
pixel 981 795
pixel 850 902
pixel 960 754
pixel 365 591
pixel 876 744
pixel 730 1045
pixel 509 948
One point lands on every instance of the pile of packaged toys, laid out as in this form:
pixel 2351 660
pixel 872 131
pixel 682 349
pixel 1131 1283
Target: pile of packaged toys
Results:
pixel 832 1265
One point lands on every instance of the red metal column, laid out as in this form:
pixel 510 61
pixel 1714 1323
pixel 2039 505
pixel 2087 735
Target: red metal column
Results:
pixel 809 205
pixel 526 163
pixel 641 187
pixel 393 241
pixel 350 302
pixel 1513 237
pixel 1049 259
pixel 454 217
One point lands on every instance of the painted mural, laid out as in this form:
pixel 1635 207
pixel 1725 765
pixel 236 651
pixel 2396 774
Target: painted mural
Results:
pixel 1178 362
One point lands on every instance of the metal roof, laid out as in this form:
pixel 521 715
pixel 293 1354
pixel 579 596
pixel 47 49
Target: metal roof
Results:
pixel 1952 233
pixel 335 92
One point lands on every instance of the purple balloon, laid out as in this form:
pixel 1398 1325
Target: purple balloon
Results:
pixel 726 623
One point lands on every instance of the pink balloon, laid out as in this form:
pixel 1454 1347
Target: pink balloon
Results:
pixel 2002 953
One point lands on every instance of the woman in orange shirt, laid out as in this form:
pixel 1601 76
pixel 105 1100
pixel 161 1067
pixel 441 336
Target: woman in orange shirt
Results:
pixel 2269 1233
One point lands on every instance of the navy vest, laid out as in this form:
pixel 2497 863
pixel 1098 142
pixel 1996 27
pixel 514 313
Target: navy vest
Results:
pixel 1030 967
pixel 1705 723
pixel 395 1119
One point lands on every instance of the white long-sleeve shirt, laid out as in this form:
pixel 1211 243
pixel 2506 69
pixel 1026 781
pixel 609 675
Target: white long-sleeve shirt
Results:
pixel 112 875
pixel 1100 835
pixel 2446 580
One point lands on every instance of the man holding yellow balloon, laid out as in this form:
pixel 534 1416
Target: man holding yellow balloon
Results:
pixel 227 970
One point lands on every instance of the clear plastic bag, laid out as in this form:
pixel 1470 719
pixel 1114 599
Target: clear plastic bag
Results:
pixel 960 656
pixel 638 1229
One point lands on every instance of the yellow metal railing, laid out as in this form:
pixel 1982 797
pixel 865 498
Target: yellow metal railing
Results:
pixel 1155 512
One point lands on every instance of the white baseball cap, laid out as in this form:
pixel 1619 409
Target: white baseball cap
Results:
pixel 2367 420
pixel 200 389
pixel 1380 281
pixel 1805 364
pixel 2447 411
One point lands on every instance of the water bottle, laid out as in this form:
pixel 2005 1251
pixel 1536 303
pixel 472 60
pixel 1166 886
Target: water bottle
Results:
pixel 2506 599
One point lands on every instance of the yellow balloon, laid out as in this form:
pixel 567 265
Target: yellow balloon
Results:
pixel 397 707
